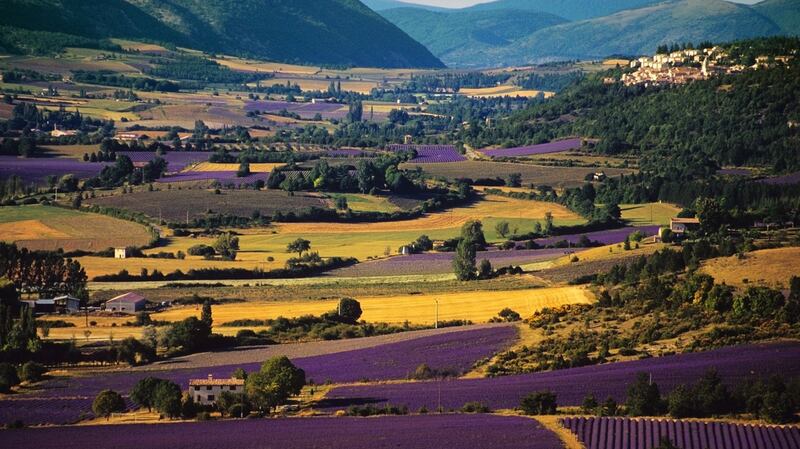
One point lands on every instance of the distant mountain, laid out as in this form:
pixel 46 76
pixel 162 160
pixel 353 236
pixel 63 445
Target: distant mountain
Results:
pixel 639 31
pixel 569 9
pixel 336 32
pixel 785 13
pixel 382 5
pixel 461 37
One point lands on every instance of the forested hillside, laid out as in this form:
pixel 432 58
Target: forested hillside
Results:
pixel 339 32
pixel 785 13
pixel 682 134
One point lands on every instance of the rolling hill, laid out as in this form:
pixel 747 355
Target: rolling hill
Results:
pixel 461 37
pixel 785 13
pixel 640 31
pixel 569 9
pixel 334 32
pixel 382 5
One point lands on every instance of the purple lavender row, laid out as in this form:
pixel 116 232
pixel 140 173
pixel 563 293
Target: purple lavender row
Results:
pixel 428 154
pixel 626 433
pixel 608 237
pixel 734 365
pixel 531 150
pixel 408 432
pixel 38 169
pixel 176 160
pixel 221 176
pixel 784 180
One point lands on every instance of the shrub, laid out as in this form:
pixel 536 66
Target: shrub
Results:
pixel 8 377
pixel 201 250
pixel 475 407
pixel 539 403
pixel 32 372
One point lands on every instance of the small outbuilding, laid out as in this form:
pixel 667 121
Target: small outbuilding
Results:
pixel 127 303
pixel 67 304
pixel 680 226
pixel 60 304
pixel 207 391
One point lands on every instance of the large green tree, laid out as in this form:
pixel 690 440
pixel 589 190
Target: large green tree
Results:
pixel 108 402
pixel 274 383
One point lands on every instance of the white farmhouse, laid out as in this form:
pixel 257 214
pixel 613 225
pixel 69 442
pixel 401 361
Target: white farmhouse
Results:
pixel 207 391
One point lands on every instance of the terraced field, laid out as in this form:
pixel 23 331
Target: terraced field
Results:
pixel 50 228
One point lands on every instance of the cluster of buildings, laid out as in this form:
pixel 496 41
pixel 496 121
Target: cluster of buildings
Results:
pixel 128 303
pixel 683 66
pixel 679 67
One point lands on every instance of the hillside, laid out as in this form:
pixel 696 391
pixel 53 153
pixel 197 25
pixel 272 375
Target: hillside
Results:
pixel 785 13
pixel 382 5
pixel 640 31
pixel 569 9
pixel 336 32
pixel 462 37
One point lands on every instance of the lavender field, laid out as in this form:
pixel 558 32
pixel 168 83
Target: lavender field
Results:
pixel 428 154
pixel 608 237
pixel 224 177
pixel 572 385
pixel 36 170
pixel 625 433
pixel 304 110
pixel 531 150
pixel 66 400
pixel 407 432
pixel 176 160
pixel 442 262
pixel 439 263
pixel 785 180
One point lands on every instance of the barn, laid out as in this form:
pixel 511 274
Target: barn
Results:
pixel 127 303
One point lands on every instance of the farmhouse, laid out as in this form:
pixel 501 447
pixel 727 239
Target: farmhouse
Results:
pixel 207 391
pixel 127 303
pixel 680 226
pixel 59 304
pixel 120 253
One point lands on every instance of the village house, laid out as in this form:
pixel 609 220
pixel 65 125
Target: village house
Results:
pixel 680 226
pixel 127 303
pixel 207 391
pixel 62 133
pixel 120 253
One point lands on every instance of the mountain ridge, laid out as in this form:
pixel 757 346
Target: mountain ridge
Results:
pixel 332 32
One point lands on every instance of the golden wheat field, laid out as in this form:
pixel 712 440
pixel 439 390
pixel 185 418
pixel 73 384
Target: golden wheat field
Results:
pixel 254 168
pixel 491 206
pixel 417 309
pixel 501 91
pixel 767 267
pixel 50 228
pixel 475 306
